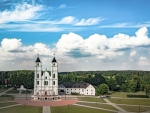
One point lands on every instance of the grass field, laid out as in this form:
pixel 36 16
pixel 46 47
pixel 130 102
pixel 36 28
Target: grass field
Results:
pixel 13 91
pixel 105 106
pixel 22 109
pixel 124 94
pixel 131 101
pixel 134 108
pixel 24 92
pixel 3 89
pixel 76 109
pixel 5 97
pixel 91 99
pixel 7 104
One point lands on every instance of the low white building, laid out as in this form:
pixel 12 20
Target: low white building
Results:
pixel 81 88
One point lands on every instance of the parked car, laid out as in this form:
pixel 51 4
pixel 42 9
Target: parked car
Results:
pixel 102 96
pixel 107 96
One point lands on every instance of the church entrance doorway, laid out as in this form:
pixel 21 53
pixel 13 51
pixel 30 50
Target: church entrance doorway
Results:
pixel 46 93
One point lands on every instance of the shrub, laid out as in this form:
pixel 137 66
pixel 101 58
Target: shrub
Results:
pixel 74 93
pixel 137 96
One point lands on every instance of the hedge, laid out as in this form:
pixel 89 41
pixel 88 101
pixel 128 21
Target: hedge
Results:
pixel 137 96
pixel 74 93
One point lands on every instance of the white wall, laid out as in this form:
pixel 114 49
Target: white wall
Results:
pixel 90 90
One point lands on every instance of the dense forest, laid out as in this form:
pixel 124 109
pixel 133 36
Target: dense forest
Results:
pixel 116 80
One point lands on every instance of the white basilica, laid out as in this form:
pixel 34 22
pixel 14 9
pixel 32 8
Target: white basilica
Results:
pixel 45 83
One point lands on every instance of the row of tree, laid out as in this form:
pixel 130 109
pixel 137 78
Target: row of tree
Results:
pixel 115 80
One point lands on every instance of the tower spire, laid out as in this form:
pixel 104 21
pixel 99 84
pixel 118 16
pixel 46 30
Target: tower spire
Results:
pixel 38 59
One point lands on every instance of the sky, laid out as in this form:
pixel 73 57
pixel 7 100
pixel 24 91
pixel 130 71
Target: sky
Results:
pixel 84 35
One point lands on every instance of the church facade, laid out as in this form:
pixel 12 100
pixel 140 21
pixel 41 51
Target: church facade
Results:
pixel 45 83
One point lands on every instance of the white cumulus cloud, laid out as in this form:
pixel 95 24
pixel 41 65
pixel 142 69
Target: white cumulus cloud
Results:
pixel 133 53
pixel 143 61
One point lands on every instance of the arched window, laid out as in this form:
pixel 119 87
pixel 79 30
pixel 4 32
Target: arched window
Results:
pixel 53 82
pixel 45 82
pixel 37 75
pixel 53 75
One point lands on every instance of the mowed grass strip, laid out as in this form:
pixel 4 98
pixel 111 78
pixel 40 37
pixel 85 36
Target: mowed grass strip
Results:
pixel 134 108
pixel 105 106
pixel 24 92
pixel 124 94
pixel 76 109
pixel 6 97
pixel 13 91
pixel 22 109
pixel 7 104
pixel 91 99
pixel 2 89
pixel 131 101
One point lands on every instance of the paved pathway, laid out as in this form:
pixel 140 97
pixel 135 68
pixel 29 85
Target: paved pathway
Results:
pixel 10 106
pixel 114 105
pixel 46 109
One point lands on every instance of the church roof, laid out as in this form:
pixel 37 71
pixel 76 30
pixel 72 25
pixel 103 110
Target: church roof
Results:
pixel 54 60
pixel 38 59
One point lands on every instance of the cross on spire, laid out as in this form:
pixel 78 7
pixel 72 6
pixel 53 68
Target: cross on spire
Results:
pixel 38 55
pixel 54 54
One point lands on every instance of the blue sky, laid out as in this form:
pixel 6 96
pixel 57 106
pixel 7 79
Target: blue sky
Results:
pixel 84 35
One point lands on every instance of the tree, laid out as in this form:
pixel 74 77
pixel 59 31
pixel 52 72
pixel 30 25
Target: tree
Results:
pixel 111 83
pixel 103 89
pixel 124 87
pixel 135 83
pixel 147 89
pixel 120 79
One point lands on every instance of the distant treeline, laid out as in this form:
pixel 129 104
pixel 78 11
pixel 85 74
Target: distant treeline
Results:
pixel 129 80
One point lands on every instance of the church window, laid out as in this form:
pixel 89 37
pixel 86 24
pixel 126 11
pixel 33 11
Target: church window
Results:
pixel 45 77
pixel 54 64
pixel 53 82
pixel 37 82
pixel 37 64
pixel 45 82
pixel 53 75
pixel 37 75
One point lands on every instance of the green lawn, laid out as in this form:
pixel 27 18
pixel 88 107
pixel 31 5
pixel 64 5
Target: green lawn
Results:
pixel 105 106
pixel 91 99
pixel 124 94
pixel 131 101
pixel 13 91
pixel 28 92
pixel 76 109
pixel 2 89
pixel 7 104
pixel 5 97
pixel 134 108
pixel 22 109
